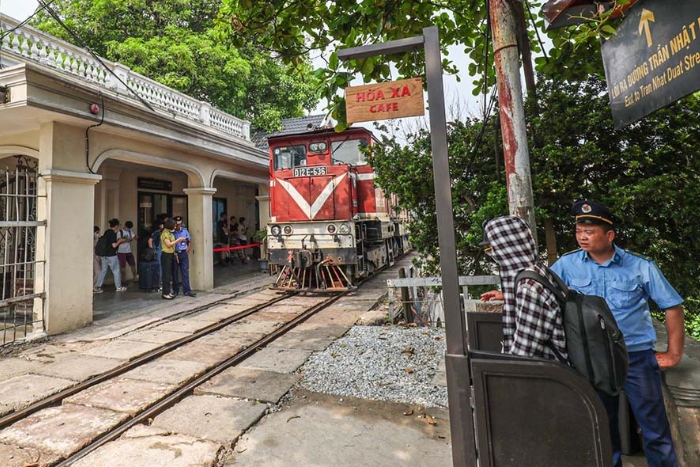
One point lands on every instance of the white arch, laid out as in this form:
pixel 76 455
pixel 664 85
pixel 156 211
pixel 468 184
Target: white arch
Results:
pixel 236 176
pixel 147 159
pixel 15 150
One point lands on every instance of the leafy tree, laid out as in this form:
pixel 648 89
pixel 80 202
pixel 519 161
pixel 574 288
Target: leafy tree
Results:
pixel 648 172
pixel 477 193
pixel 293 29
pixel 177 43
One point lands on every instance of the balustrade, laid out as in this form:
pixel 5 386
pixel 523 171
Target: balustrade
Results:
pixel 30 44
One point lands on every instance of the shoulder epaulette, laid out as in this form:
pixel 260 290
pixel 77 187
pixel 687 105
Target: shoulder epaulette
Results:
pixel 572 251
pixel 638 255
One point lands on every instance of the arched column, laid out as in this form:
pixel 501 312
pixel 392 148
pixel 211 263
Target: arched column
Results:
pixel 64 245
pixel 199 204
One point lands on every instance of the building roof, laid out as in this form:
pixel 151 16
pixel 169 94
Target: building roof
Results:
pixel 290 126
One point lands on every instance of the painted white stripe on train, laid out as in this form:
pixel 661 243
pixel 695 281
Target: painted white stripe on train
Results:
pixel 313 209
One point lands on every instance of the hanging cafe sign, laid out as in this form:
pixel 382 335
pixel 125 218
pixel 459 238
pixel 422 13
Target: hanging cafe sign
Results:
pixel 379 101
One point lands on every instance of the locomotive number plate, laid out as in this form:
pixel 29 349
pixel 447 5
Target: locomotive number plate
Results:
pixel 310 171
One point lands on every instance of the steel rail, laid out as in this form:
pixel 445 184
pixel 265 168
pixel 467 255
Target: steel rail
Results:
pixel 171 399
pixel 145 358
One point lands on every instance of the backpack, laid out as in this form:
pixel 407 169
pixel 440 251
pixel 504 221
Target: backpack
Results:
pixel 594 342
pixel 156 239
pixel 102 246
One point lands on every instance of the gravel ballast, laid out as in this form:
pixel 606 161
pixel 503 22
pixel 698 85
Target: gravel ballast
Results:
pixel 386 363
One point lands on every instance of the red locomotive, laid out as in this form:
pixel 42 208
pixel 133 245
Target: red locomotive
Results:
pixel 330 224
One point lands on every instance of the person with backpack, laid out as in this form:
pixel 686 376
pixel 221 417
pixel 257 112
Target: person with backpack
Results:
pixel 627 281
pixel 532 319
pixel 106 249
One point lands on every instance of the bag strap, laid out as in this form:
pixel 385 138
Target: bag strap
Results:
pixel 557 289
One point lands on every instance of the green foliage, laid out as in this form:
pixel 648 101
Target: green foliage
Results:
pixel 292 29
pixel 406 170
pixel 176 43
pixel 259 236
pixel 692 317
pixel 648 173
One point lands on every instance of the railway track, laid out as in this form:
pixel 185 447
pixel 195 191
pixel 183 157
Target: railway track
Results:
pixel 278 317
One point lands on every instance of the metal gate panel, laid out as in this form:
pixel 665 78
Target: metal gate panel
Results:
pixel 18 232
pixel 532 412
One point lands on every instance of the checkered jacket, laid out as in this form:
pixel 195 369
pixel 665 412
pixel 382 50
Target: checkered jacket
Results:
pixel 532 320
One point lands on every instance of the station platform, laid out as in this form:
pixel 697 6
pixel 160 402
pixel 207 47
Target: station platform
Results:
pixel 133 306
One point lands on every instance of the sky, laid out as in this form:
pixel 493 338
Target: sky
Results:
pixel 457 94
pixel 18 9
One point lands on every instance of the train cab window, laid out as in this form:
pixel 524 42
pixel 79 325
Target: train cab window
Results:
pixel 349 151
pixel 289 156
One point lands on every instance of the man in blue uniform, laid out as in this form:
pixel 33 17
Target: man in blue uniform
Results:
pixel 182 262
pixel 627 281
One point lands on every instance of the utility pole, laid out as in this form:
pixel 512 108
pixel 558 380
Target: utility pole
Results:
pixel 512 112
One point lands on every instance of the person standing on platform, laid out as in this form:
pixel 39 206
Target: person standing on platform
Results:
pixel 182 262
pixel 155 242
pixel 124 252
pixel 96 260
pixel 168 243
pixel 222 234
pixel 627 281
pixel 243 238
pixel 532 320
pixel 109 260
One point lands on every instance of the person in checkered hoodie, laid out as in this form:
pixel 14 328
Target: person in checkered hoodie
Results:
pixel 532 319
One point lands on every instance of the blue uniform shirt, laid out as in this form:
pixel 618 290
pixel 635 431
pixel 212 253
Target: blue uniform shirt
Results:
pixel 627 282
pixel 183 232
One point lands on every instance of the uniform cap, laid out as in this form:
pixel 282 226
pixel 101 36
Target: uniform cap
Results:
pixel 178 219
pixel 589 212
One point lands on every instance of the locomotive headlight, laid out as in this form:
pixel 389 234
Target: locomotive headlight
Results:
pixel 344 228
pixel 288 230
pixel 275 230
pixel 331 229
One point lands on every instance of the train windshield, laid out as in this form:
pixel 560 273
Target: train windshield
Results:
pixel 289 156
pixel 349 151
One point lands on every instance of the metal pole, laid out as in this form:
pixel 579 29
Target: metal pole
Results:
pixel 512 112
pixel 457 359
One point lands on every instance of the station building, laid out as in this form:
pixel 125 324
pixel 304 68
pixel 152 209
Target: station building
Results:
pixel 84 140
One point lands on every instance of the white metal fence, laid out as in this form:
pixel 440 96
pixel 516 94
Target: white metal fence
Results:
pixel 419 299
